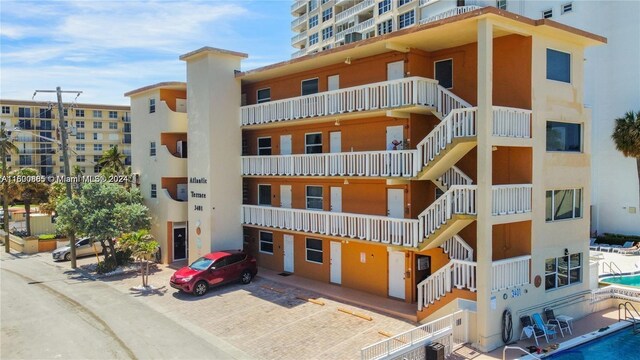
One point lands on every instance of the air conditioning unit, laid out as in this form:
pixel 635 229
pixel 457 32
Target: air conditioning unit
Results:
pixel 352 37
pixel 181 147
pixel 182 192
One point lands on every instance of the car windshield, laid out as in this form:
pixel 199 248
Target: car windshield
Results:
pixel 201 264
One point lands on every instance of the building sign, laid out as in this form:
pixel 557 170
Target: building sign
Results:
pixel 198 195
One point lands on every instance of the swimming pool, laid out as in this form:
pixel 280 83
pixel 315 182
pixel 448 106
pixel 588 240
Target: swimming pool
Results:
pixel 629 280
pixel 619 345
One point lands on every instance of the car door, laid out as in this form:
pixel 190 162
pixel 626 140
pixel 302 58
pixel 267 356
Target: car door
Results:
pixel 83 248
pixel 215 274
pixel 235 267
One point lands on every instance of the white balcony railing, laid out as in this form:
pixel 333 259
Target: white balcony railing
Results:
pixel 511 122
pixel 299 37
pixel 299 53
pixel 449 13
pixel 299 21
pixel 411 91
pixel 398 163
pixel 365 5
pixel 511 199
pixel 510 272
pixel 361 27
pixel 297 5
pixel 380 229
pixel 458 200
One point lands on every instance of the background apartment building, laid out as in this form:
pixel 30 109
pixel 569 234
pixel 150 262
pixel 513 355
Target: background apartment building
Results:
pixel 611 71
pixel 445 166
pixel 93 129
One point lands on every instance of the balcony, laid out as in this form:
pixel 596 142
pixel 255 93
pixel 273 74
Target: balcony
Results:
pixel 167 120
pixel 447 14
pixel 299 53
pixel 172 166
pixel 300 23
pixel 511 199
pixel 411 92
pixel 354 10
pixel 510 272
pixel 299 39
pixel 361 27
pixel 299 7
pixel 175 210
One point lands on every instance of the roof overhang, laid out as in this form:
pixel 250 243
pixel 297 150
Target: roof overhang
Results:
pixel 170 85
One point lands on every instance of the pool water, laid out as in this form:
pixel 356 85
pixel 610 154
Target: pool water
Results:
pixel 620 345
pixel 630 280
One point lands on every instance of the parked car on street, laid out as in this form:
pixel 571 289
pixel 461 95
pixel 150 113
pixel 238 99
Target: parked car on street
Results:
pixel 214 269
pixel 83 248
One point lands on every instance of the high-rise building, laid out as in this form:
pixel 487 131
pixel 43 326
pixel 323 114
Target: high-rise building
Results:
pixel 92 128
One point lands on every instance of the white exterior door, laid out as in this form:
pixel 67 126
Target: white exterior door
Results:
pixel 336 199
pixel 395 70
pixel 395 137
pixel 396 274
pixel 395 203
pixel 285 144
pixel 285 196
pixel 288 253
pixel 335 141
pixel 336 262
pixel 334 82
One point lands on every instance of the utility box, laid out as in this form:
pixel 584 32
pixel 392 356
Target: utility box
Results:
pixel 434 351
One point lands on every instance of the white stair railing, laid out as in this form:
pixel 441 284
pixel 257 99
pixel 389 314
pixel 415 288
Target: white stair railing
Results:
pixel 459 199
pixel 457 273
pixel 457 249
pixel 463 274
pixel 510 272
pixel 448 101
pixel 455 176
pixel 511 199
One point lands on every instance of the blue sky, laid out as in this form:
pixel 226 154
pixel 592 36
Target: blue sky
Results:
pixel 106 48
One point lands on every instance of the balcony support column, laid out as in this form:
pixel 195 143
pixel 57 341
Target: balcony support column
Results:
pixel 487 316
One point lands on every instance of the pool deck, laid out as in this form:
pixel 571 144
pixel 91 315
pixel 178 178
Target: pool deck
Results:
pixel 628 264
pixel 580 327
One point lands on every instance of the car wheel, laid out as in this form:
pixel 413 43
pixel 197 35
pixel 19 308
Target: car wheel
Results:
pixel 67 256
pixel 200 288
pixel 246 277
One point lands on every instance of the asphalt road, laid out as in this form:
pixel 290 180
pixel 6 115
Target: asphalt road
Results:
pixel 48 314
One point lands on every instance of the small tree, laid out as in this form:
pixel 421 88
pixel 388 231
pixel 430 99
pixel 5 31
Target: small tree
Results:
pixel 626 137
pixel 57 192
pixel 143 247
pixel 112 162
pixel 29 192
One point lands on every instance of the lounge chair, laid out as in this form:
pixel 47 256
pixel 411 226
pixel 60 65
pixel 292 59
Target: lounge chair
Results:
pixel 633 250
pixel 528 330
pixel 593 246
pixel 548 329
pixel 563 325
pixel 619 249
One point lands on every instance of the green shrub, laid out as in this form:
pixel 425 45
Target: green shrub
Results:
pixel 123 257
pixel 47 237
pixel 616 239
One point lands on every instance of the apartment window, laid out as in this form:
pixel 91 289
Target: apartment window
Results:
pixel 327 33
pixel 80 158
pixel 95 136
pixel 65 112
pixel 444 73
pixel 25 159
pixel 568 7
pixel 406 19
pixel 385 27
pixel 152 106
pixel 24 124
pixel 154 191
pixel 80 124
pixel 97 124
pixel 24 112
pixel 46 125
pixel 113 125
pixel 313 4
pixel 314 250
pixel 563 204
pixel 313 21
pixel 266 242
pixel 6 110
pixel 264 95
pixel 546 14
pixel 313 143
pixel 79 113
pixel 264 195
pixel 113 114
pixel 97 113
pixel 564 137
pixel 152 148
pixel 558 66
pixel 309 86
pixel 264 146
pixel 80 147
pixel 314 197
pixel 313 39
pixel 403 2
pixel 45 113
pixel 97 147
pixel 384 6
pixel 80 136
pixel 327 14
pixel 501 4
pixel 96 158
pixel 562 271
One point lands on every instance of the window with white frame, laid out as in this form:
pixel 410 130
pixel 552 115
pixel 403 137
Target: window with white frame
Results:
pixel 566 137
pixel 152 105
pixel 313 39
pixel 313 21
pixel 568 7
pixel 314 197
pixel 24 112
pixel 313 250
pixel 327 33
pixel 97 147
pixel 80 158
pixel 385 27
pixel 313 143
pixel 152 148
pixel 444 73
pixel 264 195
pixel 327 14
pixel 80 136
pixel 546 14
pixel 562 271
pixel 266 242
pixel 96 158
pixel 80 147
pixel 263 95
pixel 403 2
pixel 113 114
pixel 80 124
pixel 264 145
pixel 79 113
pixel 113 125
pixel 313 4
pixel 563 204
pixel 97 124
pixel 6 110
pixel 501 4
pixel 154 191
pixel 558 65
pixel 406 19
pixel 384 6
pixel 97 113
pixel 309 86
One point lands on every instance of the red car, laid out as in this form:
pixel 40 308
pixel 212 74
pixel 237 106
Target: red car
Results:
pixel 214 269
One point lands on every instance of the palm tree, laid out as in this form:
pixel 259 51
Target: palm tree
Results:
pixel 6 147
pixel 32 192
pixel 112 161
pixel 143 247
pixel 626 136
